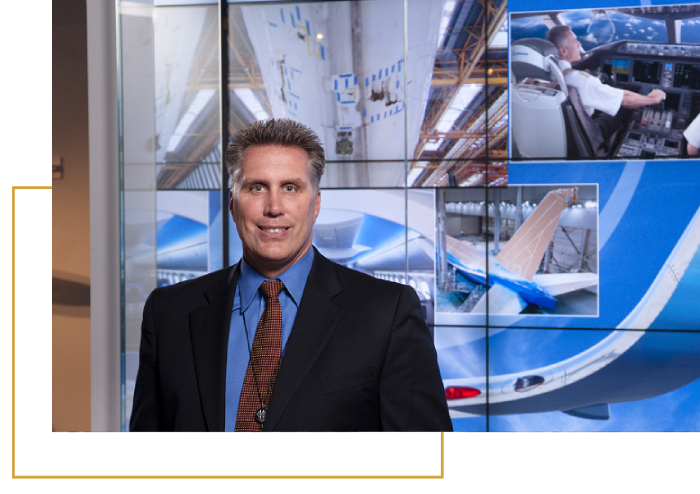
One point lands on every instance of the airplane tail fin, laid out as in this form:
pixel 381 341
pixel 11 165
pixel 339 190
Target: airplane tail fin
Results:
pixel 523 253
pixel 466 254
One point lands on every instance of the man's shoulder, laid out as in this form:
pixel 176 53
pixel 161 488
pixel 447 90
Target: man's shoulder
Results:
pixel 588 85
pixel 362 283
pixel 573 75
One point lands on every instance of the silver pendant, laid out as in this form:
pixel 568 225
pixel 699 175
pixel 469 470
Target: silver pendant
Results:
pixel 261 415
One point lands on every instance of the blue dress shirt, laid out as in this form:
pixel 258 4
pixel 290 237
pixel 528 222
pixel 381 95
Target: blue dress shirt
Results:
pixel 250 303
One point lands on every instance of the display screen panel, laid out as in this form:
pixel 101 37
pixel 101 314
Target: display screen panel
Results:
pixel 366 230
pixel 647 72
pixel 583 380
pixel 352 85
pixel 497 86
pixel 556 111
pixel 619 68
pixel 637 289
pixel 687 76
pixel 457 173
pixel 453 126
pixel 549 270
pixel 461 355
pixel 346 80
pixel 364 174
pixel 672 101
pixel 186 71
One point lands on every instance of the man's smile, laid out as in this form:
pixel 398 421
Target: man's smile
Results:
pixel 278 229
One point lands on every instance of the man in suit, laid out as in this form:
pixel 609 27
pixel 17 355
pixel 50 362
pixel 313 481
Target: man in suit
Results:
pixel 285 340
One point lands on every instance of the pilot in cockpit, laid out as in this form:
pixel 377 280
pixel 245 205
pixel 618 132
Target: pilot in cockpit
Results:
pixel 692 136
pixel 602 102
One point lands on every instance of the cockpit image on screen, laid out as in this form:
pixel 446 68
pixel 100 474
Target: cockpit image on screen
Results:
pixel 687 76
pixel 619 68
pixel 647 72
pixel 577 103
pixel 672 101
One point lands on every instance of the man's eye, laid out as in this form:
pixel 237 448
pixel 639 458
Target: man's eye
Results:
pixel 256 188
pixel 290 188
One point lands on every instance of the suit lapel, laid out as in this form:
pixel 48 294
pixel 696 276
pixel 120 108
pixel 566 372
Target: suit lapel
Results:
pixel 316 319
pixel 209 332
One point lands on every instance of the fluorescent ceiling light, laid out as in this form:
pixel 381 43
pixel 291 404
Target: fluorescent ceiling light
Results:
pixel 251 102
pixel 446 16
pixel 196 107
pixel 464 97
pixel 432 146
pixel 501 38
pixel 413 174
pixel 471 181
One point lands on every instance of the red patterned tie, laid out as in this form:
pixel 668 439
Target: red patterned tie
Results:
pixel 264 362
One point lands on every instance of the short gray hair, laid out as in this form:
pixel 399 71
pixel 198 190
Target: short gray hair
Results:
pixel 557 35
pixel 275 131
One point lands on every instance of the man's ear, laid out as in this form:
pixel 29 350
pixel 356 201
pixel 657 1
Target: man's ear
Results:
pixel 562 52
pixel 317 206
pixel 231 205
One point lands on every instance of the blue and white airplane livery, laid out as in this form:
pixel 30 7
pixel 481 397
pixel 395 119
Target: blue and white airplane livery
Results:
pixel 511 275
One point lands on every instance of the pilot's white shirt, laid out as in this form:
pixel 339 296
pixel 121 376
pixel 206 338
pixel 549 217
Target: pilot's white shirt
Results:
pixel 594 94
pixel 692 133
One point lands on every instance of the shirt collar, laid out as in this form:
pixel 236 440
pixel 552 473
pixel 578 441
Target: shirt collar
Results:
pixel 564 64
pixel 294 279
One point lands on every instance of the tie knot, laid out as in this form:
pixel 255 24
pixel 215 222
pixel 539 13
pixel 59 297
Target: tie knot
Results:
pixel 271 289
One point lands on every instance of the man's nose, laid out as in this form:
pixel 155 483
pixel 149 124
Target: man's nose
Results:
pixel 273 206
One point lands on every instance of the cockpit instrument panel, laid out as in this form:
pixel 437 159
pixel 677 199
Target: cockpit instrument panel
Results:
pixel 687 76
pixel 647 72
pixel 642 67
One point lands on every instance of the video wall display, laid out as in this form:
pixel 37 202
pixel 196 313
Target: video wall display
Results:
pixel 554 246
pixel 611 82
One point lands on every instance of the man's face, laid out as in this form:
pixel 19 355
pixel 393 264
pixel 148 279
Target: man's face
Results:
pixel 276 208
pixel 570 50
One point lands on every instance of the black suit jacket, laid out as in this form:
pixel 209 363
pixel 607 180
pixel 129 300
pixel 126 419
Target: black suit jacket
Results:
pixel 359 358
